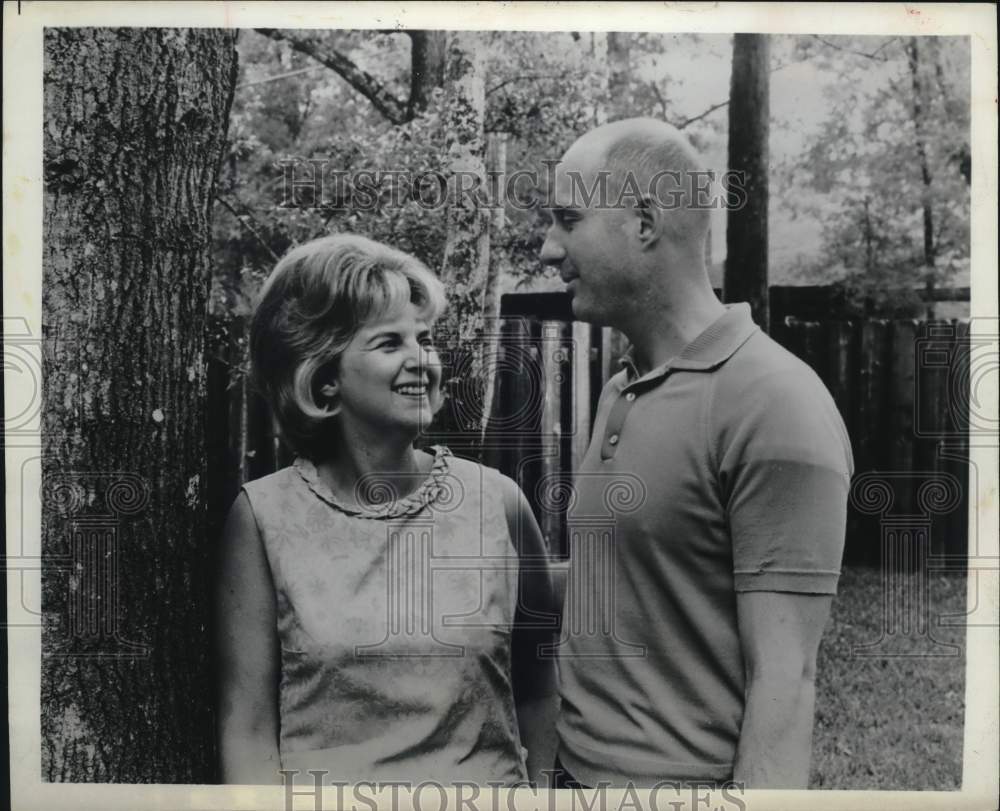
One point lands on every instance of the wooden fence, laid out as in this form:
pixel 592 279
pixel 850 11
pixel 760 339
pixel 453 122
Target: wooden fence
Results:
pixel 901 387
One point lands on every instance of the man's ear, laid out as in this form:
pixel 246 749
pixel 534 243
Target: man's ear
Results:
pixel 650 222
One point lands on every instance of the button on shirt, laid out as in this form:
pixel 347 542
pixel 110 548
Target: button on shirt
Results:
pixel 724 470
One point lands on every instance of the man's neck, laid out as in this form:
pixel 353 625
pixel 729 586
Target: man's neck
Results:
pixel 660 329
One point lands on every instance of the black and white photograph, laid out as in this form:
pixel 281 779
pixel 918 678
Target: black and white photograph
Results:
pixel 551 404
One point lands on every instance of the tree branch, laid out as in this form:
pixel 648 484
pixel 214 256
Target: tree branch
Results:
pixel 661 101
pixel 243 220
pixel 714 107
pixel 700 116
pixel 278 76
pixel 873 55
pixel 531 77
pixel 366 84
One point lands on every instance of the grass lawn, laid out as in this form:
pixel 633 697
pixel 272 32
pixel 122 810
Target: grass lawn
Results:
pixel 890 722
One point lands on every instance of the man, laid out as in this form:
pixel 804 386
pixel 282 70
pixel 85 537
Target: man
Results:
pixel 692 620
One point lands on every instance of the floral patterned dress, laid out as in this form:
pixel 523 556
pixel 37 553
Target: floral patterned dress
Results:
pixel 395 626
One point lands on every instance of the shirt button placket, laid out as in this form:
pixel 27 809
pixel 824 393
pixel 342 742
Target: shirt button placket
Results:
pixel 616 422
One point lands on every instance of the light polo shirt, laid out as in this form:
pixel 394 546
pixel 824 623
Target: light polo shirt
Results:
pixel 724 470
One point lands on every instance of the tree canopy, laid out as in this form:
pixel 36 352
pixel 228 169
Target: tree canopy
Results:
pixel 869 145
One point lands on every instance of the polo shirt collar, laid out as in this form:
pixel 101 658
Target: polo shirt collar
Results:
pixel 713 347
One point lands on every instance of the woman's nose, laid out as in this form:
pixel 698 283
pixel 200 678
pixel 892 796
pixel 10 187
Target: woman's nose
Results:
pixel 420 357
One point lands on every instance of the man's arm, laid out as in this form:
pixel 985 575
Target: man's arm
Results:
pixel 779 636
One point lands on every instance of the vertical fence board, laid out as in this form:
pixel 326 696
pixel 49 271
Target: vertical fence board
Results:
pixel 840 371
pixel 600 365
pixel 868 427
pixel 553 374
pixel 580 400
pixel 531 443
pixel 492 451
pixel 814 347
pixel 867 432
pixel 901 387
pixel 901 396
pixel 791 332
pixel 517 416
pixel 955 540
pixel 931 404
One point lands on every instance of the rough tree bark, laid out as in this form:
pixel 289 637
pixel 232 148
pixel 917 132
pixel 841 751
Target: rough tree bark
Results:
pixel 427 59
pixel 135 125
pixel 745 276
pixel 927 196
pixel 619 76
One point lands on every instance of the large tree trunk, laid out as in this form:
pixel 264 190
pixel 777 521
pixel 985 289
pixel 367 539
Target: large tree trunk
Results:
pixel 749 123
pixel 926 198
pixel 465 265
pixel 601 64
pixel 427 63
pixel 135 124
pixel 496 161
pixel 619 76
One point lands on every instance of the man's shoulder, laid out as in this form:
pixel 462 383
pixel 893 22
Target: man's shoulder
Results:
pixel 763 367
pixel 768 399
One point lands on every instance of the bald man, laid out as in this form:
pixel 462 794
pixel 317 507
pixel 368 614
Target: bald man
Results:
pixel 708 528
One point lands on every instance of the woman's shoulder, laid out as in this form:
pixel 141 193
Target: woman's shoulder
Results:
pixel 279 482
pixel 472 470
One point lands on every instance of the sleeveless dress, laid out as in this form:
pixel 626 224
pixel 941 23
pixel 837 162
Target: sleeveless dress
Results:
pixel 395 626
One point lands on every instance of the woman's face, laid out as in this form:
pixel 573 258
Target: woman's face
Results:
pixel 389 377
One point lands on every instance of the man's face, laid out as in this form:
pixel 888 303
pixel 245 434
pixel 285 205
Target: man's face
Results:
pixel 591 243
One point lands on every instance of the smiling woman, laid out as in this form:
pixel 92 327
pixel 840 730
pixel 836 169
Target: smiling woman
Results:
pixel 335 654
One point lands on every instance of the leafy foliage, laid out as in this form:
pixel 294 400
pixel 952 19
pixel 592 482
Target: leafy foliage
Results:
pixel 896 138
pixel 854 179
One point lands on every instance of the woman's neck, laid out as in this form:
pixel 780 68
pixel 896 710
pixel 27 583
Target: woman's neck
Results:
pixel 389 461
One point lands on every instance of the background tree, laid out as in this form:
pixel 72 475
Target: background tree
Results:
pixel 749 128
pixel 135 123
pixel 887 173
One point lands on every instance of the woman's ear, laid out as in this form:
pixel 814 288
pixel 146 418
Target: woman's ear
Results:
pixel 331 398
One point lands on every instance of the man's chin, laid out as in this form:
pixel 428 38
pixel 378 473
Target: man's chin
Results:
pixel 583 312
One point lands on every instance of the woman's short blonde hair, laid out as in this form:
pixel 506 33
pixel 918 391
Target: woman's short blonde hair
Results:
pixel 315 300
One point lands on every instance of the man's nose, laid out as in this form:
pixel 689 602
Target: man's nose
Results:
pixel 552 252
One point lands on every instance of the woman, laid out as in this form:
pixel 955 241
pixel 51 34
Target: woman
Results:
pixel 370 624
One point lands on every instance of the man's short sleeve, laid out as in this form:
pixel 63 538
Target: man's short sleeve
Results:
pixel 784 467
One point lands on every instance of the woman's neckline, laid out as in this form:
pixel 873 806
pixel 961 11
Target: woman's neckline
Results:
pixel 386 503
